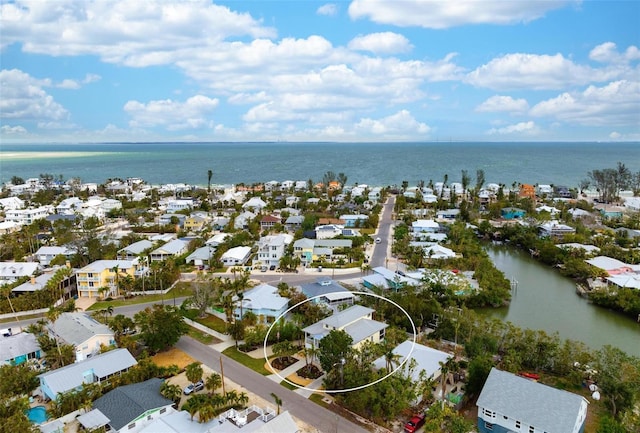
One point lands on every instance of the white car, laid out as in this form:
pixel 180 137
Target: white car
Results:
pixel 378 240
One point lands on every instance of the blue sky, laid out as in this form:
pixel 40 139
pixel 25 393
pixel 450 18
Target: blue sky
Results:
pixel 360 70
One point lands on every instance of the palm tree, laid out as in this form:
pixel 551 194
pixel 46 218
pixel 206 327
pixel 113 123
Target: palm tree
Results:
pixel 277 400
pixel 209 176
pixel 194 372
pixel 243 399
pixel 170 391
pixel 213 382
pixel 116 269
pixel 207 412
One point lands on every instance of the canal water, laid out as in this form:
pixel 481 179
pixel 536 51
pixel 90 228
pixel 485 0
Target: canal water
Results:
pixel 546 300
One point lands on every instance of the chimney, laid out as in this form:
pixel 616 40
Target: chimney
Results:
pixel 33 280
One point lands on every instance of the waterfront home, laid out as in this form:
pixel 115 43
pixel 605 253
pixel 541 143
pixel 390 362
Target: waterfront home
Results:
pixel 327 291
pixel 613 266
pixel 357 321
pixel 543 190
pixel 92 370
pixel 103 276
pixel 436 251
pixel 356 220
pixel 375 193
pixel 527 191
pixel 395 280
pixel 510 213
pixel 632 203
pixel 83 332
pixel 589 249
pixel 173 248
pixel 554 229
pixel 562 191
pixel 10 272
pixel 237 256
pixel 18 348
pixel 254 204
pixel 134 250
pixel 271 249
pixel 44 255
pixel 427 362
pixel 610 212
pixel 263 301
pixel 512 403
pixel 425 226
pixel 129 408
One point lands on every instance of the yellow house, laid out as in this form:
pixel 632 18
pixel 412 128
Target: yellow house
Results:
pixel 100 278
pixel 83 332
pixel 194 223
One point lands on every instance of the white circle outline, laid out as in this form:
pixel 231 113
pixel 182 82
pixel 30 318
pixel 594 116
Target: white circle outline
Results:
pixel 335 391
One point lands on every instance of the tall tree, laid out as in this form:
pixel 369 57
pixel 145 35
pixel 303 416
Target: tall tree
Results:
pixel 194 372
pixel 209 176
pixel 334 348
pixel 161 326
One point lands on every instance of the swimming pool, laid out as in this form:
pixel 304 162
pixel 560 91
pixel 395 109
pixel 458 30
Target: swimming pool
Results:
pixel 37 415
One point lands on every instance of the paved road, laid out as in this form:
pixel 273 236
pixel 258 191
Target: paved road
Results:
pixel 379 256
pixel 309 412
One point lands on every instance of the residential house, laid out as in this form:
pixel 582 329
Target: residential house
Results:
pixel 610 212
pixel 394 280
pixel 589 249
pixel 173 248
pixel 292 200
pixel 578 213
pixel 563 192
pixel 102 276
pixel 201 256
pixel 9 227
pixel 620 274
pixel 171 218
pixel 510 213
pixel 242 221
pixel 67 287
pixel 174 206
pixel 269 221
pixel 553 211
pixel 357 321
pixel 448 214
pixel 428 362
pixel 294 222
pixel 272 185
pixel 19 348
pixel 356 220
pixel 130 408
pixel 44 255
pixel 11 203
pixel 134 250
pixel 328 231
pixel 254 204
pixel 287 185
pixel 92 370
pixel 527 191
pixel 220 222
pixel 237 256
pixel 309 250
pixel 195 223
pixel 510 403
pixel 375 193
pixel 216 239
pixel 327 291
pixel 250 420
pixel 271 249
pixel 628 233
pixel 28 216
pixel 83 332
pixel 69 206
pixel 425 226
pixel 554 229
pixel 263 301
pixel 10 272
pixel 303 249
pixel 111 204
pixel 436 251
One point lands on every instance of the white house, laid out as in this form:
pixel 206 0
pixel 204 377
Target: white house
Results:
pixel 11 203
pixel 44 255
pixel 271 249
pixel 10 272
pixel 27 216
pixel 172 248
pixel 328 231
pixel 83 332
pixel 254 204
pixel 263 301
pixel 555 229
pixel 425 226
pixel 134 250
pixel 174 206
pixel 242 220
pixel 236 256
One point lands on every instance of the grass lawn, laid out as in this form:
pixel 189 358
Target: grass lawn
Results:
pixel 317 399
pixel 202 337
pixel 179 291
pixel 256 364
pixel 288 385
pixel 213 322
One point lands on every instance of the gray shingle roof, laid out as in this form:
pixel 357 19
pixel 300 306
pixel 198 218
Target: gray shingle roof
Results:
pixel 76 328
pixel 126 403
pixel 72 376
pixel 321 287
pixel 546 408
pixel 17 345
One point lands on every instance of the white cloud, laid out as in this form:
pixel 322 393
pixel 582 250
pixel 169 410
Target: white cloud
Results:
pixel 523 128
pixel 398 125
pixel 329 9
pixel 172 115
pixel 608 53
pixel 69 84
pixel 23 98
pixel 438 14
pixel 615 104
pixel 127 32
pixel 381 43
pixel 499 103
pixel 13 130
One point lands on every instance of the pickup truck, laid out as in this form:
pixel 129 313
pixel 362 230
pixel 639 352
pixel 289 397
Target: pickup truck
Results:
pixel 415 423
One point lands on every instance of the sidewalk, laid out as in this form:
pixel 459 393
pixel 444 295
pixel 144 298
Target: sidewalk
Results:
pixel 316 384
pixel 287 371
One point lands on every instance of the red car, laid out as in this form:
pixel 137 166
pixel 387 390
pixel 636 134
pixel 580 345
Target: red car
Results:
pixel 414 423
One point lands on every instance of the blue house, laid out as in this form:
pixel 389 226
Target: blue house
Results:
pixel 19 348
pixel 510 213
pixel 263 301
pixel 510 403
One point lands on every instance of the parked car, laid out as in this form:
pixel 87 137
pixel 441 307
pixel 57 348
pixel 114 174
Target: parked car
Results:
pixel 194 387
pixel 378 240
pixel 415 423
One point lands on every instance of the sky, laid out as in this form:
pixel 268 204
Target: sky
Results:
pixel 303 70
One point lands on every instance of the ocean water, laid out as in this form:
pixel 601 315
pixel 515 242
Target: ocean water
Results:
pixel 365 163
